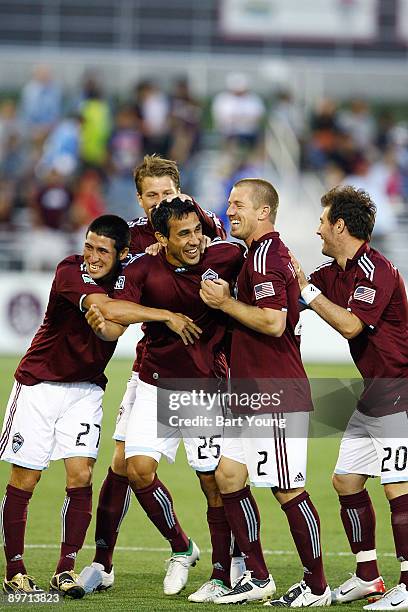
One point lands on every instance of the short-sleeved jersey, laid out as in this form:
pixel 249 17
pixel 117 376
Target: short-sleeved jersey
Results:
pixel 142 236
pixel 154 282
pixel 65 349
pixel 372 288
pixel 268 280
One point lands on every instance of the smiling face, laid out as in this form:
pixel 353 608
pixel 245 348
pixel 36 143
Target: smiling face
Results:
pixel 327 233
pixel 242 214
pixel 183 244
pixel 155 189
pixel 100 255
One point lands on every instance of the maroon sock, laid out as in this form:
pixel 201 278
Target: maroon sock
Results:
pixel 243 516
pixel 14 518
pixel 304 524
pixel 220 533
pixel 358 517
pixel 399 522
pixel 157 502
pixel 76 515
pixel 114 501
pixel 235 548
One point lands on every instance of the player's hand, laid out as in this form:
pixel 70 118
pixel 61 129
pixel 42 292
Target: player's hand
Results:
pixel 153 249
pixel 184 327
pixel 181 196
pixel 300 275
pixel 96 320
pixel 205 242
pixel 215 293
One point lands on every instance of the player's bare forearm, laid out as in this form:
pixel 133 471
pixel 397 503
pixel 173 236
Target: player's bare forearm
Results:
pixel 105 330
pixel 263 320
pixel 126 313
pixel 342 320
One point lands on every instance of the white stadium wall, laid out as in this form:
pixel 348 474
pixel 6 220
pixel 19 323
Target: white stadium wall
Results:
pixel 24 298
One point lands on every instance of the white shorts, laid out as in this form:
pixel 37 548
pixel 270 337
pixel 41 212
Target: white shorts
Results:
pixel 279 460
pixel 125 408
pixel 51 421
pixel 370 447
pixel 203 452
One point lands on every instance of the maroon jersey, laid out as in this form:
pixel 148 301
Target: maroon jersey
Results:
pixel 154 282
pixel 65 349
pixel 267 280
pixel 142 236
pixel 372 288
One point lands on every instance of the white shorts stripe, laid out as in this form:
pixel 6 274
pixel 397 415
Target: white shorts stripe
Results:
pixel 6 433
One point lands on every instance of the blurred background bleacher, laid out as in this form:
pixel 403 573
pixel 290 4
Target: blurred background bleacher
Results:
pixel 305 94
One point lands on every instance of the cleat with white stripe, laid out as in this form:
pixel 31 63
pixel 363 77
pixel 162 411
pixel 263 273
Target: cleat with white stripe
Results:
pixel 300 596
pixel 355 588
pixel 178 566
pixel 394 599
pixel 209 591
pixel 248 589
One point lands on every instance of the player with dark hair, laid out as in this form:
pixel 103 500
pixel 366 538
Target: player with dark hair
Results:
pixel 173 278
pixel 59 386
pixel 362 295
pixel 266 351
pixel 156 179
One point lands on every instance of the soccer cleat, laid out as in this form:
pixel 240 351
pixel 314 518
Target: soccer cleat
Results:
pixel 394 599
pixel 300 596
pixel 177 569
pixel 21 583
pixel 94 578
pixel 68 584
pixel 238 567
pixel 248 589
pixel 209 591
pixel 355 588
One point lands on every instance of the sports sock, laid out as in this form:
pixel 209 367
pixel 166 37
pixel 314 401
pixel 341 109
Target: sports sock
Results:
pixel 14 509
pixel 358 517
pixel 157 502
pixel 76 514
pixel 304 524
pixel 114 501
pixel 243 516
pixel 220 533
pixel 235 548
pixel 399 522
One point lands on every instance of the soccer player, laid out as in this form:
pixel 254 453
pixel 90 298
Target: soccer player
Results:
pixel 156 179
pixel 266 346
pixel 362 295
pixel 173 277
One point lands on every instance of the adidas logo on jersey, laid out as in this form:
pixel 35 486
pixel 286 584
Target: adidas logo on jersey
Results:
pixel 299 478
pixel 87 279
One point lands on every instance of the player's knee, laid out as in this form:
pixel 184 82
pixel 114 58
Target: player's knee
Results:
pixel 140 472
pixel 24 478
pixel 210 489
pixel 118 464
pixel 348 484
pixel 227 480
pixel 82 477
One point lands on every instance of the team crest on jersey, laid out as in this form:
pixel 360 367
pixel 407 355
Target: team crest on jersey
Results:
pixel 209 275
pixel 87 279
pixel 120 282
pixel 17 442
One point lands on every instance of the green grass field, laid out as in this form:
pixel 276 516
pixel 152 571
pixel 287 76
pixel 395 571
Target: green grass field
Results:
pixel 139 559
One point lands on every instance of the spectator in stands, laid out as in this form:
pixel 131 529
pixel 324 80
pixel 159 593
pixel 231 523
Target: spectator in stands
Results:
pixel 95 126
pixel 124 154
pixel 323 129
pixel 51 209
pixel 41 103
pixel 358 121
pixel 152 105
pixel 62 143
pixel 185 130
pixel 238 112
pixel 88 203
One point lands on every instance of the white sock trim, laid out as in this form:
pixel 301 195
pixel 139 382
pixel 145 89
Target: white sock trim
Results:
pixel 404 566
pixel 366 555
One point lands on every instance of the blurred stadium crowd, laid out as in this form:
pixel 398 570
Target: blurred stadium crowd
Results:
pixel 67 157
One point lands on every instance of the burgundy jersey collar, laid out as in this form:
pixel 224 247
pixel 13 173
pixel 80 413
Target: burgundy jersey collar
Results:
pixel 255 243
pixel 365 248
